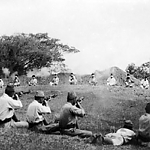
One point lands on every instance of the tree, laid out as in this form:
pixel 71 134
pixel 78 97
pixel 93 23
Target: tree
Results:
pixel 24 52
pixel 131 68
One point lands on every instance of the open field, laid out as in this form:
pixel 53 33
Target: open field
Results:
pixel 106 109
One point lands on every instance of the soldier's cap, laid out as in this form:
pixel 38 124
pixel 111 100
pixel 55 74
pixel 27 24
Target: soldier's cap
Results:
pixel 71 95
pixel 10 88
pixel 147 108
pixel 39 94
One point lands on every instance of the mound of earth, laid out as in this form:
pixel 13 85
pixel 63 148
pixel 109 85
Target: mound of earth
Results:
pixel 118 74
pixel 102 76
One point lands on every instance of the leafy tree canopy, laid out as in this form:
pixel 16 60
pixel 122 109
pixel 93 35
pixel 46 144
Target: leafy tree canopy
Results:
pixel 24 52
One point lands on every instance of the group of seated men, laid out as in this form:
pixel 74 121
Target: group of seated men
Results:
pixel 66 122
pixel 111 81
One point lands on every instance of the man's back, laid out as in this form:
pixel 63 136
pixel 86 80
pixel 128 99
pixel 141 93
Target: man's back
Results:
pixel 69 115
pixel 7 105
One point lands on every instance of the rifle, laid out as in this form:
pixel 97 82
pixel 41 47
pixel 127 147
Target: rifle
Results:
pixel 20 94
pixel 80 100
pixel 49 98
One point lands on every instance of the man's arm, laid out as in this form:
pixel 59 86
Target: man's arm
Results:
pixel 44 109
pixel 15 103
pixel 78 111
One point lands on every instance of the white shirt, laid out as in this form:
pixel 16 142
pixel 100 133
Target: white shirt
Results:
pixel 7 106
pixel 33 81
pixel 72 79
pixel 122 136
pixel 144 83
pixel 126 133
pixel 35 110
pixel 111 81
pixel 55 80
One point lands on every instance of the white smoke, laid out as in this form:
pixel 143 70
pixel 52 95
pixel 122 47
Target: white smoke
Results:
pixel 43 72
pixel 6 71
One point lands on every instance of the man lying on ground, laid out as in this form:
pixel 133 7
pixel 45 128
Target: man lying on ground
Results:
pixel 35 113
pixel 7 109
pixel 122 136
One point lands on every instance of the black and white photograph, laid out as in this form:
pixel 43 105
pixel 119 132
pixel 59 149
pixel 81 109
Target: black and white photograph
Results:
pixel 74 74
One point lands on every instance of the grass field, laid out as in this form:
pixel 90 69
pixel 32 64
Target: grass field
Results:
pixel 106 109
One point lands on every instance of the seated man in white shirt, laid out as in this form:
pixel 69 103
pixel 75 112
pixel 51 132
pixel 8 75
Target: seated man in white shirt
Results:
pixel 129 82
pixel 16 81
pixel 144 127
pixel 7 109
pixel 144 84
pixel 54 81
pixel 93 80
pixel 1 83
pixel 111 80
pixel 35 112
pixel 33 81
pixel 72 79
pixel 122 136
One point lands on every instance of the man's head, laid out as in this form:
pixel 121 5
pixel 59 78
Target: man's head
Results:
pixel 33 76
pixel 10 91
pixel 128 124
pixel 39 96
pixel 72 97
pixel 147 108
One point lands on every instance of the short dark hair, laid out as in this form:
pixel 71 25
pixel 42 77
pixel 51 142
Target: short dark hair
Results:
pixel 9 89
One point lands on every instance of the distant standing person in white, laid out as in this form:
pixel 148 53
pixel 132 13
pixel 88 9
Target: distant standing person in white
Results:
pixel 72 79
pixel 111 80
pixel 144 84
pixel 33 81
pixel 1 83
pixel 93 80
pixel 54 81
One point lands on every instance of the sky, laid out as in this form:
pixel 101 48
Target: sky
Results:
pixel 108 33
